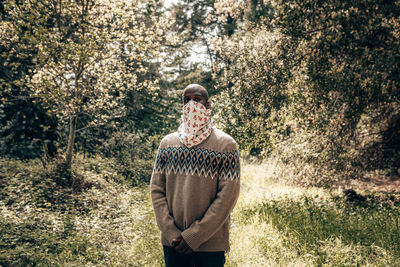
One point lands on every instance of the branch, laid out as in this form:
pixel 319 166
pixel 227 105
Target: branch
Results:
pixel 18 98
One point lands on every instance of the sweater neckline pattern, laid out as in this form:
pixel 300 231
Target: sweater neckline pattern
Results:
pixel 198 161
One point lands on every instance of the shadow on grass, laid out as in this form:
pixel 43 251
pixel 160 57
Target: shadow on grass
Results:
pixel 309 222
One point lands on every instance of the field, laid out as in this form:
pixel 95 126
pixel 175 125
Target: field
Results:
pixel 104 221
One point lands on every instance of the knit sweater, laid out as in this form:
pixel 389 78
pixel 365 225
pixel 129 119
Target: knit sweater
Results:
pixel 194 190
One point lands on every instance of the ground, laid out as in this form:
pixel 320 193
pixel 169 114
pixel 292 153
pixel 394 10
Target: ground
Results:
pixel 105 221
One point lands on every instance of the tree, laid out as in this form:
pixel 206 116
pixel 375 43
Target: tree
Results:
pixel 89 55
pixel 314 81
pixel 256 72
pixel 255 69
pixel 352 49
pixel 192 59
pixel 27 130
pixel 352 58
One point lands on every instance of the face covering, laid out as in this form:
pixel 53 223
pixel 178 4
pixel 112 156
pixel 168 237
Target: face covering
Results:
pixel 196 124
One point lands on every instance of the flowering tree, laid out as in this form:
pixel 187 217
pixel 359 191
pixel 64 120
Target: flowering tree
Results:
pixel 90 53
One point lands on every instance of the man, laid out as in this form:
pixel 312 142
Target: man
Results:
pixel 194 186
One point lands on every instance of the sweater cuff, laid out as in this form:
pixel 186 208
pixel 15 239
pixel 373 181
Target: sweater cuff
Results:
pixel 191 239
pixel 172 233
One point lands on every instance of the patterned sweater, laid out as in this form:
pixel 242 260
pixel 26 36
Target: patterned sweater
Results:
pixel 194 190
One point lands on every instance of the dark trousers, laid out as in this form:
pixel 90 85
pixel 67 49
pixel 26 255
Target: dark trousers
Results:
pixel 196 259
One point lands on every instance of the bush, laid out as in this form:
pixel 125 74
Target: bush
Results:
pixel 133 154
pixel 99 220
pixel 313 85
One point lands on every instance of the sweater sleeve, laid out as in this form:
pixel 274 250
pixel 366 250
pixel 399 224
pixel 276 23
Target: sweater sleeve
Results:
pixel 165 221
pixel 218 212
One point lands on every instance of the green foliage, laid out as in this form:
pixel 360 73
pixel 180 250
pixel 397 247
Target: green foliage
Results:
pixel 192 57
pixel 257 11
pixel 350 50
pixel 26 128
pixel 134 155
pixel 310 221
pixel 105 221
pixel 309 85
pixel 101 223
pixel 255 83
pixel 82 59
pixel 196 22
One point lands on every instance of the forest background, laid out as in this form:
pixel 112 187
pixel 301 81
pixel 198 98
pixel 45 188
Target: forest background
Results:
pixel 88 89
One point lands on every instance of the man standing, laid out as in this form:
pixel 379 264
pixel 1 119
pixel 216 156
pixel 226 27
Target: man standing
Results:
pixel 194 186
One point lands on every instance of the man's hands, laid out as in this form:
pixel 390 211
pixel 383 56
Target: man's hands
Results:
pixel 181 246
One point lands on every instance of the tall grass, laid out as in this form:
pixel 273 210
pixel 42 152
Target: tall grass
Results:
pixel 279 225
pixel 111 223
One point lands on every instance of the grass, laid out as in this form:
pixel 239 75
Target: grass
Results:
pixel 111 223
pixel 279 225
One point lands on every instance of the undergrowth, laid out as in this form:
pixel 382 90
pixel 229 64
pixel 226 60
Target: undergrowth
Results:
pixel 99 221
pixel 102 220
pixel 310 223
pixel 280 225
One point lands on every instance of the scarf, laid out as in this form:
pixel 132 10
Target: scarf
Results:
pixel 196 124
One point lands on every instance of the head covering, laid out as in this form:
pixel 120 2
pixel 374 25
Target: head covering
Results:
pixel 196 124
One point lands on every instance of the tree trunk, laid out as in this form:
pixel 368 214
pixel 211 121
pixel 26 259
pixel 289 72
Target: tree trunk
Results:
pixel 71 140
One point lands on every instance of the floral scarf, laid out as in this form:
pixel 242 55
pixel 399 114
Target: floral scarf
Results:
pixel 196 124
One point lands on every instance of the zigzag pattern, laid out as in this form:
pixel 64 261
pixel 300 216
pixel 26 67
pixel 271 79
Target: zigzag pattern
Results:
pixel 197 161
